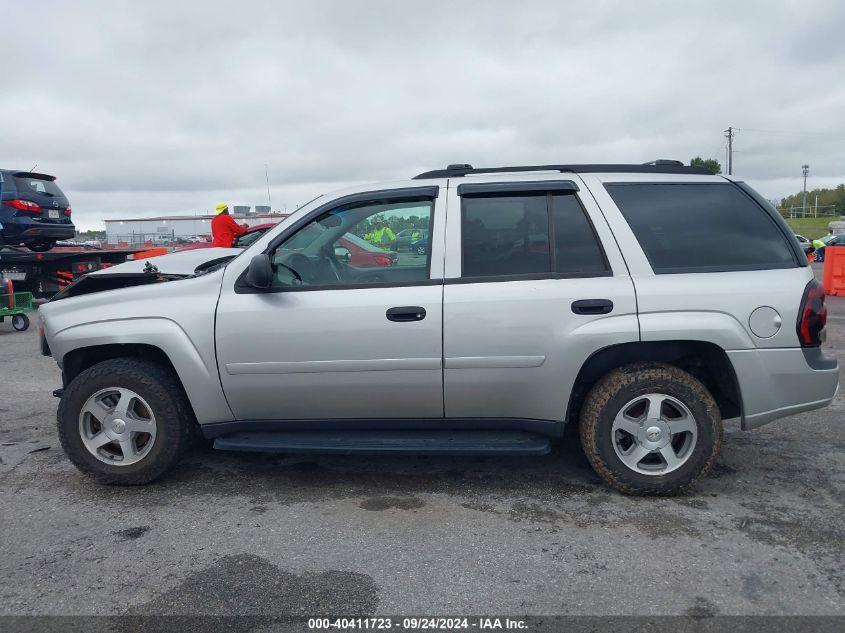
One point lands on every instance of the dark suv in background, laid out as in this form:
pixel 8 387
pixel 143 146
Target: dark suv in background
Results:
pixel 33 210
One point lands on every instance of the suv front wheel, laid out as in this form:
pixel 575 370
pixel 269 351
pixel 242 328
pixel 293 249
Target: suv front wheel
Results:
pixel 124 421
pixel 650 428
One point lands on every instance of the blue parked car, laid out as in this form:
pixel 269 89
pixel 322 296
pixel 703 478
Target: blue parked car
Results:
pixel 34 212
pixel 420 246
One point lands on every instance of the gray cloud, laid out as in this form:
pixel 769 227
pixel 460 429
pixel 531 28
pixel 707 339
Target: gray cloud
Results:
pixel 151 108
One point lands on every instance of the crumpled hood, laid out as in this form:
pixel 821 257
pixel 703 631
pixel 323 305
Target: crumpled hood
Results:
pixel 150 270
pixel 180 263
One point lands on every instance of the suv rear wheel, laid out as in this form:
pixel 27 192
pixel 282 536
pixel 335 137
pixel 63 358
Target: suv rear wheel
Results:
pixel 124 421
pixel 650 429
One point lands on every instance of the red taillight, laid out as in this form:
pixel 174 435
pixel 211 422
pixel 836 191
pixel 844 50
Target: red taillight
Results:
pixel 68 211
pixel 23 205
pixel 812 316
pixel 382 260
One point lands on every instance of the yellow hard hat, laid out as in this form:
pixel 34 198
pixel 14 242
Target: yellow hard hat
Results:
pixel 221 207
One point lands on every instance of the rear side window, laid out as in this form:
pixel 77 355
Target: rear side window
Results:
pixel 701 228
pixel 512 235
pixel 576 247
pixel 506 236
pixel 37 186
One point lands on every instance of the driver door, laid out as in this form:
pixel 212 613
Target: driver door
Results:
pixel 349 329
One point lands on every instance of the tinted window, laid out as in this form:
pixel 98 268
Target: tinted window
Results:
pixel 576 247
pixel 37 186
pixel 509 235
pixel 505 236
pixel 689 228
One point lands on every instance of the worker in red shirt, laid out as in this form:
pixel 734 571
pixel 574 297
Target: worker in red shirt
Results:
pixel 224 229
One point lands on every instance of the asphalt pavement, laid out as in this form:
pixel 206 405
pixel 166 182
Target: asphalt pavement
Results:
pixel 276 535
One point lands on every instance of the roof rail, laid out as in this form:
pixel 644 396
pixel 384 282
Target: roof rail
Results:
pixel 660 166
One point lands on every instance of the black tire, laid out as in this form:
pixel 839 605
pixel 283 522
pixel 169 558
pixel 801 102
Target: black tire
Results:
pixel 159 387
pixel 40 246
pixel 610 395
pixel 20 322
pixel 421 250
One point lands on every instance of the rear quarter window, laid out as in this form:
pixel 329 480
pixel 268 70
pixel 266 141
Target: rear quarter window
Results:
pixel 701 227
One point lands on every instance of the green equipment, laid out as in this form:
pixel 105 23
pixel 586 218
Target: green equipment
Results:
pixel 14 305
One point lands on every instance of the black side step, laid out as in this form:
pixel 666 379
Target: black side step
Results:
pixel 381 442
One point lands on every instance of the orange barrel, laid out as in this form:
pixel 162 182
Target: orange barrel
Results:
pixel 833 279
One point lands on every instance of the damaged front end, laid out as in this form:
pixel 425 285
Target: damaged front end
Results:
pixel 140 273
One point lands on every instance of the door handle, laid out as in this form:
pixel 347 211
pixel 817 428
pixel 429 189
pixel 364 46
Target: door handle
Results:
pixel 406 314
pixel 592 306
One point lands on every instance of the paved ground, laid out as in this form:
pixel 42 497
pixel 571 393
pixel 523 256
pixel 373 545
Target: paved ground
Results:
pixel 230 533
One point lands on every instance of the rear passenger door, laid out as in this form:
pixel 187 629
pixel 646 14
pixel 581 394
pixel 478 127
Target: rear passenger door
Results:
pixel 534 285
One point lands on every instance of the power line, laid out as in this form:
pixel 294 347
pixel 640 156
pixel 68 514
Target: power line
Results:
pixel 790 132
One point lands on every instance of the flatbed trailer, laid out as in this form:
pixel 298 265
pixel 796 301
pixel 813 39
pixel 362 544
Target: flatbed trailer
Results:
pixel 44 274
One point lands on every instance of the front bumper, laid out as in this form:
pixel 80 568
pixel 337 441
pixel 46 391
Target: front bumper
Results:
pixel 775 383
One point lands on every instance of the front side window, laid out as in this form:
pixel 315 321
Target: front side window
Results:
pixel 357 244
pixel 701 228
pixel 512 235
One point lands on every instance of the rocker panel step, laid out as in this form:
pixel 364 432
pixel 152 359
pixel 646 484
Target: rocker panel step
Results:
pixel 381 442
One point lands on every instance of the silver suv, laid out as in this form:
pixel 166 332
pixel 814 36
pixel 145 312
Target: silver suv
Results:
pixel 644 303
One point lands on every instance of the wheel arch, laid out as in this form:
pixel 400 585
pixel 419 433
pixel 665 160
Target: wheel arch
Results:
pixel 164 344
pixel 702 359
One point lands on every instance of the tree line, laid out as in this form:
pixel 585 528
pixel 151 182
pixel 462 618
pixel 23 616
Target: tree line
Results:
pixel 826 197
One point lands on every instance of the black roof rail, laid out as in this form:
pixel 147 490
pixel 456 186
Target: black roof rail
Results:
pixel 661 166
pixel 665 161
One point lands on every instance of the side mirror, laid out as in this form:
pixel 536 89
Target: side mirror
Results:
pixel 260 272
pixel 342 253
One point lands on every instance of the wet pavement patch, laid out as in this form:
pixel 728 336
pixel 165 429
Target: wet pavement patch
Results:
pixel 378 504
pixel 250 585
pixel 130 534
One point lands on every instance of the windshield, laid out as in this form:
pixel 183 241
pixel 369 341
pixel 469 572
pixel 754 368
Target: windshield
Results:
pixel 248 238
pixel 361 243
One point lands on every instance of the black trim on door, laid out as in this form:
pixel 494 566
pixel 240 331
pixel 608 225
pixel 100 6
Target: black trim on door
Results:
pixel 406 314
pixel 526 277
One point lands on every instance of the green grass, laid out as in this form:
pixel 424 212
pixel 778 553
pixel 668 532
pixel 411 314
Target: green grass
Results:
pixel 811 228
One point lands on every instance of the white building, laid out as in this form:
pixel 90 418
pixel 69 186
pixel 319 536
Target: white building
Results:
pixel 166 229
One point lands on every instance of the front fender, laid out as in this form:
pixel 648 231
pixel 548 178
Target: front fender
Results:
pixel 196 367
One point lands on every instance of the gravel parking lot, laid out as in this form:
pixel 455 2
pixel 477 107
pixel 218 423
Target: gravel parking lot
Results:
pixel 268 534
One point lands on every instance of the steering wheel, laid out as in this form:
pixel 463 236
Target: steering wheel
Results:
pixel 302 265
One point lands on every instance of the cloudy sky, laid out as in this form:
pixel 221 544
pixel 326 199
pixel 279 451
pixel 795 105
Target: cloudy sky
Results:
pixel 147 108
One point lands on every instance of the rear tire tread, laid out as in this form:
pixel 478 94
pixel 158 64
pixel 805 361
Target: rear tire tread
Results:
pixel 609 386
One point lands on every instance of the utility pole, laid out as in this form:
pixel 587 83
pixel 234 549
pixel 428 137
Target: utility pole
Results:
pixel 267 178
pixel 806 170
pixel 729 133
